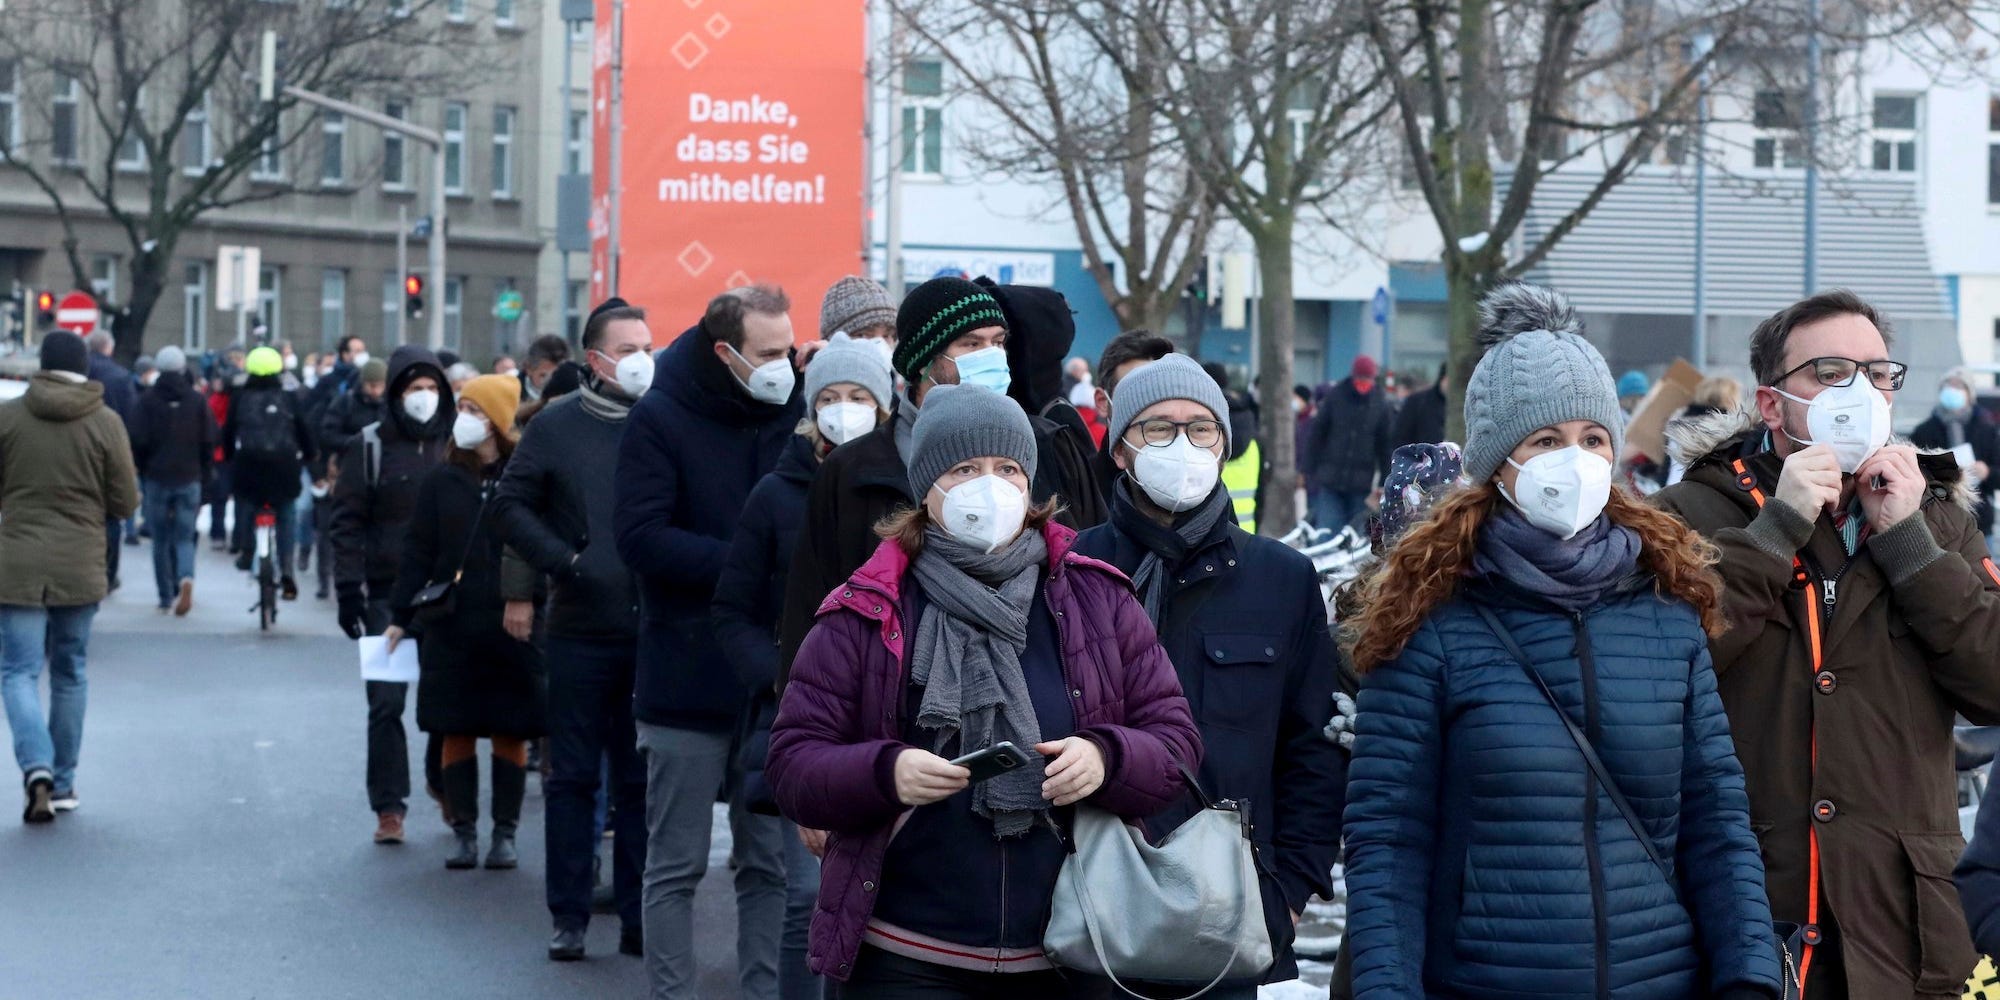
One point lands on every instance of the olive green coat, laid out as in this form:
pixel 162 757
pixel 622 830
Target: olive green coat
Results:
pixel 65 469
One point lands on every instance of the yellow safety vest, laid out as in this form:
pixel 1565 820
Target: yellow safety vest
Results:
pixel 1239 477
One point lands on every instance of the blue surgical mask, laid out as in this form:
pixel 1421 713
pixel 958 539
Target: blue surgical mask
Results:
pixel 1952 398
pixel 986 368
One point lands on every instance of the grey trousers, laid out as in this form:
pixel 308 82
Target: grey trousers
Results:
pixel 684 770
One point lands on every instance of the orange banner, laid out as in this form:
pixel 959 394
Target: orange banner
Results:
pixel 743 152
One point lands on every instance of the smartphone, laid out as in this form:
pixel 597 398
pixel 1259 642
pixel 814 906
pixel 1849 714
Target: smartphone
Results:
pixel 992 762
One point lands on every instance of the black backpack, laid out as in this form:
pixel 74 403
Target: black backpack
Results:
pixel 266 427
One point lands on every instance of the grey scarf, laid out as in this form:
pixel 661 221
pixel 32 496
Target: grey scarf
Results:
pixel 1954 422
pixel 1572 573
pixel 906 434
pixel 968 658
pixel 604 405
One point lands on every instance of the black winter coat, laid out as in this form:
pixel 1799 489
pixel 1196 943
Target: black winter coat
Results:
pixel 477 680
pixel 174 435
pixel 256 479
pixel 370 517
pixel 1348 443
pixel 342 420
pixel 694 447
pixel 555 510
pixel 1985 441
pixel 1242 620
pixel 751 593
pixel 1421 420
pixel 121 393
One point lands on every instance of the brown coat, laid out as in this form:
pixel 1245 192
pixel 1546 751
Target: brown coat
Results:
pixel 1912 636
pixel 65 469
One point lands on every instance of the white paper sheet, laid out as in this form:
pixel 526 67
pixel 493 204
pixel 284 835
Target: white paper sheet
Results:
pixel 1964 455
pixel 378 664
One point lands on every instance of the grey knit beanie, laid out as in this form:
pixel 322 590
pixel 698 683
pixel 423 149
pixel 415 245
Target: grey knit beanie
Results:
pixel 860 362
pixel 855 304
pixel 967 421
pixel 1175 376
pixel 1538 371
pixel 171 359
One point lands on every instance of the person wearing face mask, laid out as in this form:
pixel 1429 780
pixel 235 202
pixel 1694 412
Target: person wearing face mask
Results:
pixel 720 415
pixel 1864 612
pixel 478 681
pixel 554 511
pixel 373 496
pixel 848 385
pixel 949 331
pixel 1041 327
pixel 1538 613
pixel 975 622
pixel 1242 619
pixel 1959 423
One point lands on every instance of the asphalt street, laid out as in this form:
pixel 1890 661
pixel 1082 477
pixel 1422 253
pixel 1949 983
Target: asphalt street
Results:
pixel 223 847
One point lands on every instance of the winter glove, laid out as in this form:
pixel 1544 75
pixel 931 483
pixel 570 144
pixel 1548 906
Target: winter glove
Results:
pixel 1340 729
pixel 352 613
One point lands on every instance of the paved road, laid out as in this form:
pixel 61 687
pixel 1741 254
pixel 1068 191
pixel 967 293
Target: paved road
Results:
pixel 222 849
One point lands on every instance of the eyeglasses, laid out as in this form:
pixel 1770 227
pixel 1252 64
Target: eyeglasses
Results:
pixel 1884 375
pixel 1160 432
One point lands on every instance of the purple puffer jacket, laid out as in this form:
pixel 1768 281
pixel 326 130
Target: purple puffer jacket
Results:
pixel 834 745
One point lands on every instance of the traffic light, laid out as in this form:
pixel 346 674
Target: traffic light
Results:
pixel 413 296
pixel 45 310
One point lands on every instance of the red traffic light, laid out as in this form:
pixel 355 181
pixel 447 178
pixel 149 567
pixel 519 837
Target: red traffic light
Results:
pixel 46 302
pixel 413 285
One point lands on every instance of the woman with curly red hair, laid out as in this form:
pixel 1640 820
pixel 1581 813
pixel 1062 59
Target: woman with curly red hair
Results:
pixel 1538 617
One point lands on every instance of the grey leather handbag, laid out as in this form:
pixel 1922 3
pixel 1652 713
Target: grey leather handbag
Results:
pixel 1187 911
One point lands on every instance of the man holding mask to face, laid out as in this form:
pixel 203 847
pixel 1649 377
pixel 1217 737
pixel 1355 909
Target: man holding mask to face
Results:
pixel 1864 614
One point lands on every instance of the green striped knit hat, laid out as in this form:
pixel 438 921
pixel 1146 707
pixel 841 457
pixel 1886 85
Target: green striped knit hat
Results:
pixel 933 315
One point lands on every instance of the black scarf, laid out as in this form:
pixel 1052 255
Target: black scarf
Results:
pixel 1165 547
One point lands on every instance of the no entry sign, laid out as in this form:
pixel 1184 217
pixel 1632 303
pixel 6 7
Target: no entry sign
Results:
pixel 77 313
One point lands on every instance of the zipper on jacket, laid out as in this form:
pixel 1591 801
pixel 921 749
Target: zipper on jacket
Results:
pixel 1002 938
pixel 1587 672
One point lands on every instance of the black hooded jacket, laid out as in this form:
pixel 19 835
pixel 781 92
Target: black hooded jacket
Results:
pixel 174 435
pixel 374 496
pixel 1040 331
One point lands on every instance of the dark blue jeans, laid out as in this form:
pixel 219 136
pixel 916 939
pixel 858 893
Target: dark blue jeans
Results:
pixel 170 512
pixel 590 724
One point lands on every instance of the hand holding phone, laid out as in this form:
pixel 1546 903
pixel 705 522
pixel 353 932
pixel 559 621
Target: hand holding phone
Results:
pixel 993 761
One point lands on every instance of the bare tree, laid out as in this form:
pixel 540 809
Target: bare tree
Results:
pixel 1142 216
pixel 1272 104
pixel 166 91
pixel 1530 87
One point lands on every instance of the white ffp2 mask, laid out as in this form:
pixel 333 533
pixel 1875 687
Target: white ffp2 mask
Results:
pixel 1177 476
pixel 1561 492
pixel 468 431
pixel 421 405
pixel 1852 420
pixel 770 382
pixel 844 421
pixel 634 373
pixel 986 512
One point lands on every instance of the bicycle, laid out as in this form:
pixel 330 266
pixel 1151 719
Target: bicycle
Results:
pixel 266 567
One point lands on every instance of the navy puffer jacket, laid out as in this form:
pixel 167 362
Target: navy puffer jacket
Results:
pixel 1484 860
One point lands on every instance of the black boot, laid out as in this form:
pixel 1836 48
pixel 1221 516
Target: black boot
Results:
pixel 510 785
pixel 461 794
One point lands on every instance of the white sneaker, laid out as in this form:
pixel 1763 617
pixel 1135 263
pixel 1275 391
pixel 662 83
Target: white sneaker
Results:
pixel 63 802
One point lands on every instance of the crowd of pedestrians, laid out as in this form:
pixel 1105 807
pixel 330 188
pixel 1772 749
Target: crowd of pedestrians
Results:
pixel 913 596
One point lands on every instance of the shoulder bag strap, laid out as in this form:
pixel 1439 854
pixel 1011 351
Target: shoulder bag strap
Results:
pixel 1589 752
pixel 472 539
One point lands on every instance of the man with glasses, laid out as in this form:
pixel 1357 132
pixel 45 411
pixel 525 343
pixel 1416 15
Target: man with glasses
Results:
pixel 1864 612
pixel 1242 619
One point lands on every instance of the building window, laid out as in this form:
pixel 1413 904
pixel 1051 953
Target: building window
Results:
pixel 1895 127
pixel 574 295
pixel 454 148
pixel 454 10
pixel 1777 112
pixel 332 307
pixel 923 118
pixel 194 306
pixel 10 106
pixel 332 147
pixel 503 152
pixel 63 119
pixel 131 147
pixel 503 13
pixel 1993 150
pixel 392 308
pixel 271 301
pixel 269 166
pixel 194 138
pixel 104 277
pixel 454 312
pixel 576 143
pixel 393 176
